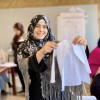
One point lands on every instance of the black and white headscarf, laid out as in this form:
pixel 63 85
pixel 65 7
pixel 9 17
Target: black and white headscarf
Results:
pixel 48 37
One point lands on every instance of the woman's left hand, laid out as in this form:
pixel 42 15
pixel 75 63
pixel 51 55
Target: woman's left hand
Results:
pixel 80 40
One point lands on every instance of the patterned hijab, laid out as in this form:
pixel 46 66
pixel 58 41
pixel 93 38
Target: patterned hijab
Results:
pixel 31 37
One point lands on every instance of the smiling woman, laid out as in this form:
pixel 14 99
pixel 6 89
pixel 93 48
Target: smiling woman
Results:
pixel 40 30
pixel 35 59
pixel 39 33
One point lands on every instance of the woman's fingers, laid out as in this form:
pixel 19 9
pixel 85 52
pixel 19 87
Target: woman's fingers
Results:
pixel 48 47
pixel 76 40
pixel 51 44
pixel 80 40
pixel 83 42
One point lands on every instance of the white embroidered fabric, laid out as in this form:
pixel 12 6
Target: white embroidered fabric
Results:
pixel 73 65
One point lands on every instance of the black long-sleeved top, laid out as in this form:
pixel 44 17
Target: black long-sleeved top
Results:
pixel 35 69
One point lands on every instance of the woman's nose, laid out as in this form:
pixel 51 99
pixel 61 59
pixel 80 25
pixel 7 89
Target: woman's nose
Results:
pixel 41 28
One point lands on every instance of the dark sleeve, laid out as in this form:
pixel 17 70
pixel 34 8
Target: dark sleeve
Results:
pixel 95 86
pixel 87 51
pixel 35 66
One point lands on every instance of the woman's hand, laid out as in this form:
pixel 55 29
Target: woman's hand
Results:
pixel 48 47
pixel 80 40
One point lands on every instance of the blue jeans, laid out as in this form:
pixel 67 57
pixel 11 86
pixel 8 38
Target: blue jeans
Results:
pixel 1 83
pixel 4 76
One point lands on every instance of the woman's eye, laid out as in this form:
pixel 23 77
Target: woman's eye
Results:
pixel 45 26
pixel 37 25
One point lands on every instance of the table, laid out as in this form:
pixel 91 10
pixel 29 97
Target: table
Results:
pixel 9 65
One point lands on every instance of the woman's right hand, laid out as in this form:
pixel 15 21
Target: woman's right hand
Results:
pixel 48 47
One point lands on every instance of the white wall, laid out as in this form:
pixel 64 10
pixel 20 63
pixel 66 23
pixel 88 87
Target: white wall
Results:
pixel 9 16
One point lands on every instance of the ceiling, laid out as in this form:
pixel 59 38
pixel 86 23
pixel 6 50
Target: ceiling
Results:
pixel 42 3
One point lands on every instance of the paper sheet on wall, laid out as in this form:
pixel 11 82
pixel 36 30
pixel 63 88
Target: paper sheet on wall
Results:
pixel 70 25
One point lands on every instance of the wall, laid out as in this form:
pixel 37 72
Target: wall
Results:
pixel 9 16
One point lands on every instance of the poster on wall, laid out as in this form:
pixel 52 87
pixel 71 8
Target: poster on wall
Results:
pixel 70 24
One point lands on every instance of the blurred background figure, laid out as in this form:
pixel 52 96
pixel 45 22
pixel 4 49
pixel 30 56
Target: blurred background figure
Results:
pixel 3 76
pixel 94 62
pixel 6 79
pixel 94 59
pixel 19 37
pixel 3 92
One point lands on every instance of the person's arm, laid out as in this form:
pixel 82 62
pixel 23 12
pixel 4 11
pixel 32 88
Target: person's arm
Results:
pixel 34 62
pixel 2 70
pixel 40 55
pixel 36 66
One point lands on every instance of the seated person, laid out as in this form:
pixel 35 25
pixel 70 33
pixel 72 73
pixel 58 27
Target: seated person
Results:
pixel 3 92
pixel 3 76
pixel 94 62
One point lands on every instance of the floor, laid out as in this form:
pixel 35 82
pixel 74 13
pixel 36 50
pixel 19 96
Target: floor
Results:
pixel 21 96
pixel 11 97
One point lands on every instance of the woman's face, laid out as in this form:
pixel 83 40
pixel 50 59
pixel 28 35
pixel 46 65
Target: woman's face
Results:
pixel 16 31
pixel 40 30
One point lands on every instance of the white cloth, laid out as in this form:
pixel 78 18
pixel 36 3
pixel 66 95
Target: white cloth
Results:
pixel 72 63
pixel 8 64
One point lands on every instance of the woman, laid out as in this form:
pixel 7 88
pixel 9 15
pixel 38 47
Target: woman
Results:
pixel 3 76
pixel 17 40
pixel 94 59
pixel 35 56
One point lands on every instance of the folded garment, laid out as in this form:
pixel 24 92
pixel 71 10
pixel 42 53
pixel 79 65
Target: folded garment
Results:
pixel 73 65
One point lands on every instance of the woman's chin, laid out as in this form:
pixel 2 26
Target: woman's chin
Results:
pixel 40 38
